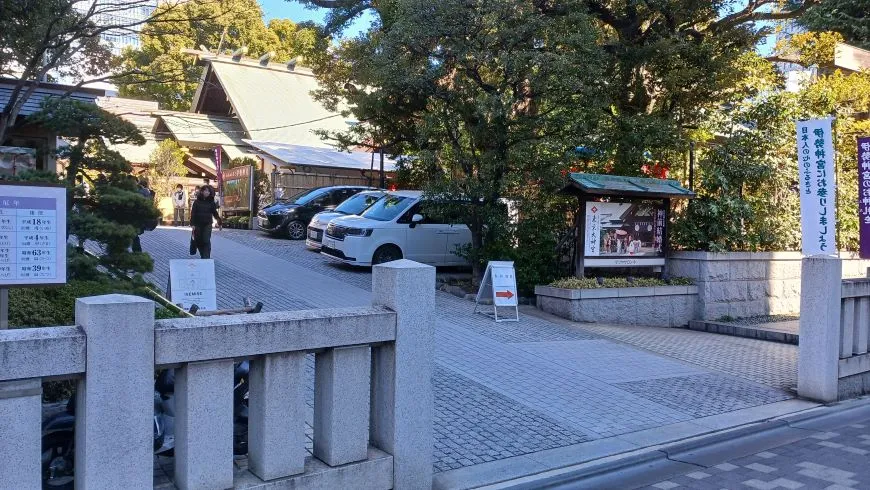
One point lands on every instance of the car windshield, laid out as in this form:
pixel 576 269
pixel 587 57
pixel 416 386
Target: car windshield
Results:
pixel 388 208
pixel 305 196
pixel 358 203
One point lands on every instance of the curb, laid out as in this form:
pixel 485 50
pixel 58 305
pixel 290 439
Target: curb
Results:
pixel 750 332
pixel 659 463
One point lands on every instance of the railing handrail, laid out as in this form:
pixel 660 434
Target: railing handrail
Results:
pixel 373 397
pixel 42 352
pixel 208 338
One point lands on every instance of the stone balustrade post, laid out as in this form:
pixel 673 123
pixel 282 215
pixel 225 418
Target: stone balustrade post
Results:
pixel 820 336
pixel 114 432
pixel 20 428
pixel 402 410
pixel 276 415
pixel 204 425
pixel 341 404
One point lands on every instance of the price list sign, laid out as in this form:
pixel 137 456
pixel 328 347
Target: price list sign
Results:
pixel 32 235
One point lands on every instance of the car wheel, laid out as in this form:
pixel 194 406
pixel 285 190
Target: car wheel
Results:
pixel 386 253
pixel 296 230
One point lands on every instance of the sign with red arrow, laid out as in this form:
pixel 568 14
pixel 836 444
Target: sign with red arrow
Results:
pixel 499 286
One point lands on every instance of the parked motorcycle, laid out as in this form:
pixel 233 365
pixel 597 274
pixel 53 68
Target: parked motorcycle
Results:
pixel 58 431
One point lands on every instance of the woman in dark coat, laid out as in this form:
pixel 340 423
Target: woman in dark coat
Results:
pixel 204 209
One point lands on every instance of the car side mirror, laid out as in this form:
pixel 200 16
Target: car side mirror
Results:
pixel 417 218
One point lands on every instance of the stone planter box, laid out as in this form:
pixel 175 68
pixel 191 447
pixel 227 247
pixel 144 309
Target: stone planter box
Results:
pixel 661 306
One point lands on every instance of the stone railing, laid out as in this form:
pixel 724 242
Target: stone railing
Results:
pixel 834 361
pixel 373 400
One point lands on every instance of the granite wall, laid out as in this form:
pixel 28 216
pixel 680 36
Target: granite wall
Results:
pixel 742 284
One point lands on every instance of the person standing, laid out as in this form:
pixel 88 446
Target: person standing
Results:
pixel 148 194
pixel 179 201
pixel 204 209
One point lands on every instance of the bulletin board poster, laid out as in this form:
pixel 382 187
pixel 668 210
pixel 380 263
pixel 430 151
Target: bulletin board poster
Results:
pixel 32 235
pixel 623 234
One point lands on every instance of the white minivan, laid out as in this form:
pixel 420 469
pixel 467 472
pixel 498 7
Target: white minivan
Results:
pixel 395 228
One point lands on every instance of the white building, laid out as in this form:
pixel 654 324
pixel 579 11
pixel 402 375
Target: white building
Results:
pixel 128 13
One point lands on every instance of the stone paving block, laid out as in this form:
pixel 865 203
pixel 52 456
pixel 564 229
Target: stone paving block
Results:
pixel 705 394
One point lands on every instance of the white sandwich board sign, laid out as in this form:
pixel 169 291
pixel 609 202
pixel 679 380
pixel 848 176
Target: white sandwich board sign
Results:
pixel 500 284
pixel 192 282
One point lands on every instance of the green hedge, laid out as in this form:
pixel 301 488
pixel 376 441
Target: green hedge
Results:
pixel 618 282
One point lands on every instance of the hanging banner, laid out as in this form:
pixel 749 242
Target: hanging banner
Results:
pixel 864 195
pixel 815 147
pixel 220 174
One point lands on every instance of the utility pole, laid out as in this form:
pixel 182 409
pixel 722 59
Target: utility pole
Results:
pixel 383 178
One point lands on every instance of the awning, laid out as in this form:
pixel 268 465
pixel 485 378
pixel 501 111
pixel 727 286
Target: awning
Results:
pixel 321 157
pixel 615 185
pixel 202 165
pixel 201 131
pixel 239 152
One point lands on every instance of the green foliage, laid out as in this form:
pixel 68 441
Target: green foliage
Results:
pixel 50 306
pixel 618 282
pixel 165 164
pixel 488 96
pixel 850 18
pixel 161 72
pixel 749 193
pixel 746 199
pixel 114 212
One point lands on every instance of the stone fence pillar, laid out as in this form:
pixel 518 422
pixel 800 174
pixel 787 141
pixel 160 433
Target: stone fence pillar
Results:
pixel 115 399
pixel 402 403
pixel 819 351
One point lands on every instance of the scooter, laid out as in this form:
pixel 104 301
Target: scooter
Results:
pixel 58 431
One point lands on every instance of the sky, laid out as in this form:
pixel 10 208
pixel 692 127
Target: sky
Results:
pixel 284 9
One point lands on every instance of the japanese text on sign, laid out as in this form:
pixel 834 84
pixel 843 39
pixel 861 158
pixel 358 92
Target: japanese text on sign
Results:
pixel 817 189
pixel 32 235
pixel 864 195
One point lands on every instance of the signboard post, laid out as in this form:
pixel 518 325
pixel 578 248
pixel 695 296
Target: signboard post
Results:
pixel 192 282
pixel 815 147
pixel 864 196
pixel 500 284
pixel 32 239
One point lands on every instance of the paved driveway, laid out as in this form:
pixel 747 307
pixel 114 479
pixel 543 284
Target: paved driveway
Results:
pixel 507 395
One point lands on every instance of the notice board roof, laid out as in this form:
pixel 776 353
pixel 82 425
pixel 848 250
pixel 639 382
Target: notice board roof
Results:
pixel 616 185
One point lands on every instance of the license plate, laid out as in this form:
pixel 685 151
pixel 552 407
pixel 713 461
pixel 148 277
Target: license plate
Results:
pixel 312 234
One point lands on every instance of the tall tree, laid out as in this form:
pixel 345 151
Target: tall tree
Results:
pixel 223 26
pixel 114 212
pixel 489 96
pixel 849 18
pixel 165 164
pixel 60 40
pixel 668 61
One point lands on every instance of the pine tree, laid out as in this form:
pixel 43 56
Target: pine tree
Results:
pixel 114 211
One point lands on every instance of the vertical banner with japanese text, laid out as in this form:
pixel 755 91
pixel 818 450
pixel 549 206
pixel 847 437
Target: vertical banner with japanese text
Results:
pixel 864 195
pixel 220 174
pixel 815 147
pixel 593 229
